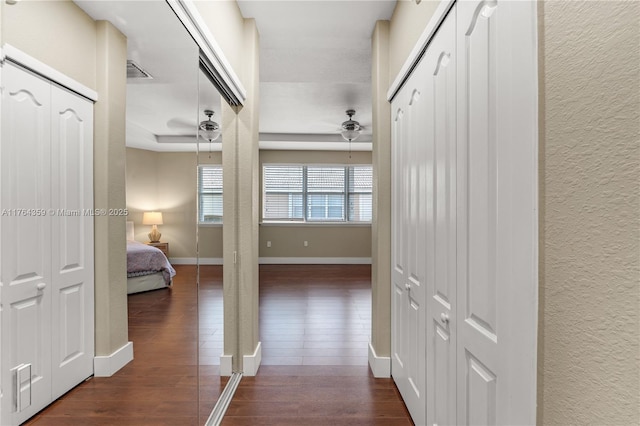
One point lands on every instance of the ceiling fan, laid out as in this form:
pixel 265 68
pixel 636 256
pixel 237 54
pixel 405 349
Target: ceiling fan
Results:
pixel 207 129
pixel 351 129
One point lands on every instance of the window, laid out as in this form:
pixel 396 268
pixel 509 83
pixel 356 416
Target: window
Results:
pixel 210 194
pixel 360 200
pixel 297 193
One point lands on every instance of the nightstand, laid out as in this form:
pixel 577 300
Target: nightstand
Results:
pixel 164 247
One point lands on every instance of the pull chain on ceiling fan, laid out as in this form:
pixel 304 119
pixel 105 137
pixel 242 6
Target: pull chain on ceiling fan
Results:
pixel 351 129
pixel 209 129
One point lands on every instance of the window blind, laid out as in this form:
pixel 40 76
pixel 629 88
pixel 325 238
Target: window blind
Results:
pixel 325 193
pixel 360 193
pixel 315 193
pixel 283 192
pixel 210 194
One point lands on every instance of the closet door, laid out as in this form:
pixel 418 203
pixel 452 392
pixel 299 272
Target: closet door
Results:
pixel 440 137
pixel 399 245
pixel 409 268
pixel 25 244
pixel 72 239
pixel 497 217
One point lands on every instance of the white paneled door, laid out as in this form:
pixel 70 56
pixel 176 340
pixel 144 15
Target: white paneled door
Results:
pixel 497 212
pixel 26 259
pixel 46 245
pixel 464 220
pixel 72 240
pixel 410 216
pixel 440 118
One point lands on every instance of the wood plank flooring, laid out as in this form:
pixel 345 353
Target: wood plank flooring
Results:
pixel 160 386
pixel 315 314
pixel 314 328
pixel 316 395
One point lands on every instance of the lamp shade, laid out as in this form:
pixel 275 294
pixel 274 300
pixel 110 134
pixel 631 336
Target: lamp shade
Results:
pixel 152 218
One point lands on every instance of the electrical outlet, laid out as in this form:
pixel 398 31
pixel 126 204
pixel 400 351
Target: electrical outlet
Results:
pixel 268 243
pixel 306 243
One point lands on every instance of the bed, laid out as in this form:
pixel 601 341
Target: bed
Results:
pixel 147 267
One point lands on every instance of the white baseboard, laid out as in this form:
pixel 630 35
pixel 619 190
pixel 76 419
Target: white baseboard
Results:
pixel 251 363
pixel 193 260
pixel 226 365
pixel 107 366
pixel 278 260
pixel 380 365
pixel 314 260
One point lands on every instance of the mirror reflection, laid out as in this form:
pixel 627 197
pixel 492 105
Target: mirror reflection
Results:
pixel 174 200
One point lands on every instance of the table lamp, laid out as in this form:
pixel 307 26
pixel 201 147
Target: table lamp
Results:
pixel 155 219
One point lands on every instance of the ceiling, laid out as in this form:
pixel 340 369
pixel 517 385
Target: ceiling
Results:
pixel 315 63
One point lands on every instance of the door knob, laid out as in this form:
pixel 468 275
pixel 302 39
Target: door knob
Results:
pixel 444 317
pixel 41 286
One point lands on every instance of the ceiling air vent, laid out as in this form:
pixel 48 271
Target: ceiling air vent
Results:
pixel 135 71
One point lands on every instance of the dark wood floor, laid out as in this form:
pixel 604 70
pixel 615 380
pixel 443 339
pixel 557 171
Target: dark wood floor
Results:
pixel 315 314
pixel 314 327
pixel 315 323
pixel 160 386
pixel 316 395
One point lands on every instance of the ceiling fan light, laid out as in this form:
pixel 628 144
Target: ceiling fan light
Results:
pixel 350 129
pixel 350 134
pixel 210 134
pixel 209 129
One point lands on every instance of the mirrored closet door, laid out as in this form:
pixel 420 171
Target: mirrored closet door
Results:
pixel 209 236
pixel 172 193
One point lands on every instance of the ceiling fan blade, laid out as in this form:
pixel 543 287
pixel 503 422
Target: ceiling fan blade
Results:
pixel 180 123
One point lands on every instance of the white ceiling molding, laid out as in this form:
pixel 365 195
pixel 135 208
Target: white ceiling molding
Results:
pixel 312 142
pixel 315 146
pixel 309 137
pixel 212 58
pixel 420 47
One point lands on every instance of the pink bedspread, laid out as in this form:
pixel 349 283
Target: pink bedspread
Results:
pixel 143 260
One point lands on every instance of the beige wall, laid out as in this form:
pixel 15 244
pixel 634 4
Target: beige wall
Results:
pixel 381 221
pixel 57 33
pixel 61 35
pixel 589 354
pixel 109 190
pixel 324 241
pixel 226 24
pixel 167 182
pixel 407 24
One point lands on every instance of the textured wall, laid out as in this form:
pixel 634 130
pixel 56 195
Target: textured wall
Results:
pixel 589 356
